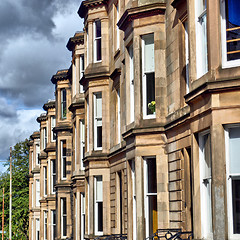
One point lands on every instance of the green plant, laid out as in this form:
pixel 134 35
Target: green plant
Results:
pixel 151 106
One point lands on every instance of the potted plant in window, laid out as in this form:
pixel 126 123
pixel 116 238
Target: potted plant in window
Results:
pixel 151 106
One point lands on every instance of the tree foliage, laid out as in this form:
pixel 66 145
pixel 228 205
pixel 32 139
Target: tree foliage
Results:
pixel 20 192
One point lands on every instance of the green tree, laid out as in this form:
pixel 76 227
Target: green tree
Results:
pixel 20 192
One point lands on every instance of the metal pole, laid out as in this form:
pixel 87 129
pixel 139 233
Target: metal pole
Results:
pixel 10 202
pixel 3 217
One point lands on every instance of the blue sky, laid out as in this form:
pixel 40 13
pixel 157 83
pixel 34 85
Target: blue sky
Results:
pixel 33 37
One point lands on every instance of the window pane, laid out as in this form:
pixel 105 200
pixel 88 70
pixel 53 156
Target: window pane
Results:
pixel 100 216
pixel 64 226
pixel 234 142
pixel 99 49
pixel 99 105
pixel 99 136
pixel 152 205
pixel 98 29
pixel 99 188
pixel 150 83
pixel 151 175
pixel 148 53
pixel 236 205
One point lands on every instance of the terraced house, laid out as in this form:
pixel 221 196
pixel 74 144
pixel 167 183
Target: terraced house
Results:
pixel 143 135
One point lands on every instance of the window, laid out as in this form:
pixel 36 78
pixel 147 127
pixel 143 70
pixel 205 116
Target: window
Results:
pixel 32 195
pixel 32 229
pixel 32 160
pixel 98 121
pixel 82 215
pixel 45 225
pixel 53 124
pixel 150 189
pixel 201 37
pixel 37 193
pixel 76 216
pixel 87 124
pixel 148 78
pixel 45 181
pixel 81 71
pixel 87 46
pixel 131 81
pixel 233 180
pixel 82 143
pixel 205 184
pixel 230 33
pixel 63 159
pixel 117 29
pixel 75 146
pixel 97 41
pixel 186 55
pixel 63 217
pixel 98 205
pixel 134 200
pixel 53 225
pixel 53 175
pixel 37 229
pixel 63 104
pixel 37 154
pixel 88 204
pixel 44 138
pixel 118 116
pixel 119 201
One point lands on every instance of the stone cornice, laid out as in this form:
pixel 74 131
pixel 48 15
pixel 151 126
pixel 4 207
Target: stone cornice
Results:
pixel 89 4
pixel 140 12
pixel 76 105
pixel 35 135
pixel 77 39
pixel 60 76
pixel 62 128
pixel 42 117
pixel 49 104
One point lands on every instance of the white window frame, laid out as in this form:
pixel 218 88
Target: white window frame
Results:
pixel 83 206
pixel 63 158
pixel 44 181
pixel 37 193
pixel 97 120
pixel 81 63
pixel 62 103
pixel 87 124
pixel 131 82
pixel 229 178
pixel 53 224
pixel 206 214
pixel 53 124
pixel 201 55
pixel 32 229
pixel 53 174
pixel 96 201
pixel 88 204
pixel 119 116
pixel 186 54
pixel 75 146
pixel 134 200
pixel 63 215
pixel 37 229
pixel 45 225
pixel 144 80
pixel 32 159
pixel 87 36
pixel 95 41
pixel 225 62
pixel 33 195
pixel 82 143
pixel 76 216
pixel 37 149
pixel 147 194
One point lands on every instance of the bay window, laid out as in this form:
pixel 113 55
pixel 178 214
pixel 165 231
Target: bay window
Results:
pixel 148 77
pixel 63 104
pixel 230 33
pixel 205 164
pixel 63 217
pixel 233 180
pixel 63 160
pixel 201 37
pixel 97 41
pixel 97 121
pixel 98 205
pixel 150 192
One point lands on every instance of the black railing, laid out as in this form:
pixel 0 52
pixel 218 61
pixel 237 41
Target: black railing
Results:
pixel 112 237
pixel 171 234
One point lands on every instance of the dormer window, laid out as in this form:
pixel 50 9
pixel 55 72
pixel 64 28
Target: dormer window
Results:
pixel 230 33
pixel 97 41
